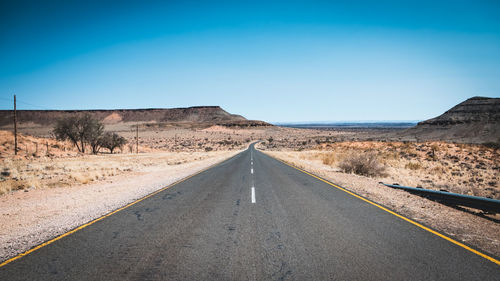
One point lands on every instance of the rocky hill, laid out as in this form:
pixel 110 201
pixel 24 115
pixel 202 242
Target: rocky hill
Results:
pixel 476 120
pixel 197 116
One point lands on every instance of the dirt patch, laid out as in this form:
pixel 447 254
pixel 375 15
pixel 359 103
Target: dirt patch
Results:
pixel 112 118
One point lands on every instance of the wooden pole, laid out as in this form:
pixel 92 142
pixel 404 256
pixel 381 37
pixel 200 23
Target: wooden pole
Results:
pixel 15 126
pixel 137 139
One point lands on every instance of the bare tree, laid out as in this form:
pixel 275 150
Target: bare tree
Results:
pixel 67 129
pixel 80 130
pixel 95 135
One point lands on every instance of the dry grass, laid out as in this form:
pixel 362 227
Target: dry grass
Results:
pixel 328 158
pixel 461 168
pixel 413 166
pixel 45 162
pixel 46 172
pixel 366 164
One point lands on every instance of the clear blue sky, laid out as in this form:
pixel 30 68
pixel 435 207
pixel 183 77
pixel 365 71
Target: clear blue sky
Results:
pixel 275 61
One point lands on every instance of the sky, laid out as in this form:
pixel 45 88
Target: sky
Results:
pixel 277 61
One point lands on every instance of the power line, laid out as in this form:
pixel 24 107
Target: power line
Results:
pixel 25 103
pixel 6 99
pixel 30 104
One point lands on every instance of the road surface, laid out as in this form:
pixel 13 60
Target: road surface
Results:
pixel 251 218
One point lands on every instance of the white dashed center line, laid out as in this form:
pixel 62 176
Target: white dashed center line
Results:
pixel 251 171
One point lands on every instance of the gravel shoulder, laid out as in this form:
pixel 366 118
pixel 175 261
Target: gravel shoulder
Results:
pixel 479 232
pixel 30 218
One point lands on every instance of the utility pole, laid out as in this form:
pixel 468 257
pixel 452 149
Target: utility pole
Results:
pixel 15 127
pixel 137 139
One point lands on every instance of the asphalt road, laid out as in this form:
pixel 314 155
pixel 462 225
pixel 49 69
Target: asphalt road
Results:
pixel 207 228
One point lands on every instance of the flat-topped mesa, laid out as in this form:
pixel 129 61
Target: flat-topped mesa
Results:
pixel 195 114
pixel 476 109
pixel 476 120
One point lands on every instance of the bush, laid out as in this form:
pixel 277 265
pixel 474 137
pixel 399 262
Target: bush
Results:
pixel 413 166
pixel 362 164
pixel 328 159
pixel 112 141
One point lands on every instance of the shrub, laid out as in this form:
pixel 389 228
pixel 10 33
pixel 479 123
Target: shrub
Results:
pixel 112 141
pixel 413 166
pixel 362 164
pixel 328 158
pixel 438 170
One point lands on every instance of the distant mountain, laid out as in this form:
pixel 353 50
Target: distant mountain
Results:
pixel 475 120
pixel 196 116
pixel 351 125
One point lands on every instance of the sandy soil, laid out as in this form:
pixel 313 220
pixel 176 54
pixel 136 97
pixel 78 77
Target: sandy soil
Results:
pixel 480 232
pixel 208 139
pixel 31 217
pixel 461 168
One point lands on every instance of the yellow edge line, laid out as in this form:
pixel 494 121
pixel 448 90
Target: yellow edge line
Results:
pixel 108 214
pixel 393 213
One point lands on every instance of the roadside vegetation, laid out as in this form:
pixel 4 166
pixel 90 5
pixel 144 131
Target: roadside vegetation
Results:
pixel 366 164
pixel 45 172
pixel 461 168
pixel 84 131
pixel 84 152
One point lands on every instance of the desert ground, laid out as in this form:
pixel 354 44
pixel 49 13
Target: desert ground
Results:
pixel 47 176
pixel 459 168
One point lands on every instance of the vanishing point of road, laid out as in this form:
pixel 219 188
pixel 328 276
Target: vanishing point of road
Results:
pixel 251 218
